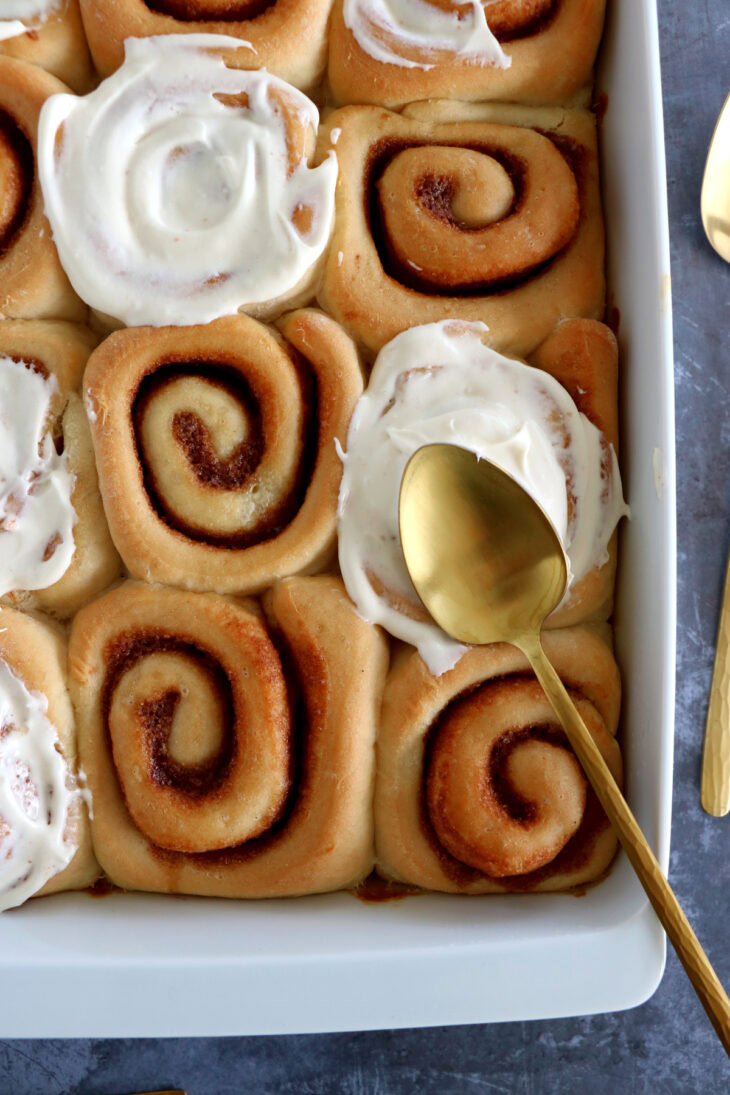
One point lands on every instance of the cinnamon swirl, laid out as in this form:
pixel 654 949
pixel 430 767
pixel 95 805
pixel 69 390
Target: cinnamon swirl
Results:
pixel 229 755
pixel 477 789
pixel 48 33
pixel 553 428
pixel 285 37
pixel 32 281
pixel 55 548
pixel 396 51
pixel 464 211
pixel 176 201
pixel 45 843
pixel 216 447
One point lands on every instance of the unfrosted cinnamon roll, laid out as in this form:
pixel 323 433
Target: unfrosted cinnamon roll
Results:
pixel 32 281
pixel 48 33
pixel 216 447
pixel 477 789
pixel 286 37
pixel 55 548
pixel 45 843
pixel 464 211
pixel 229 755
pixel 178 201
pixel 555 434
pixel 396 51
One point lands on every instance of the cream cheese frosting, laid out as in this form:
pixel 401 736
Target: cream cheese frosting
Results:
pixel 36 514
pixel 15 15
pixel 36 793
pixel 441 383
pixel 404 32
pixel 180 189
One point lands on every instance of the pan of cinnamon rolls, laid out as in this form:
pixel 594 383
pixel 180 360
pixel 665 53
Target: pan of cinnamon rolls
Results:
pixel 252 256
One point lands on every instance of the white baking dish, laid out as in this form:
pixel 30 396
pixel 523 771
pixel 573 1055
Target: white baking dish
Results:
pixel 147 965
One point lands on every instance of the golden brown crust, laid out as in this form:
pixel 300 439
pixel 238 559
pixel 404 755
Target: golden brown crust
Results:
pixel 322 838
pixel 582 355
pixel 32 281
pixel 222 473
pixel 56 43
pixel 550 65
pixel 374 286
pixel 35 650
pixel 289 36
pixel 62 350
pixel 463 758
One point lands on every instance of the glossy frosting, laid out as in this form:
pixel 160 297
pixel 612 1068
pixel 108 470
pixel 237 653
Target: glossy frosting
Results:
pixel 411 33
pixel 36 515
pixel 36 792
pixel 179 190
pixel 441 383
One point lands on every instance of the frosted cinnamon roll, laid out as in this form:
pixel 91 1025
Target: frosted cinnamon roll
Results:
pixel 48 33
pixel 178 202
pixel 216 447
pixel 442 383
pixel 45 844
pixel 285 37
pixel 32 281
pixel 456 210
pixel 228 754
pixel 477 788
pixel 396 51
pixel 55 548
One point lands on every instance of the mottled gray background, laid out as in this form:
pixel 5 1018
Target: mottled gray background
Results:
pixel 665 1047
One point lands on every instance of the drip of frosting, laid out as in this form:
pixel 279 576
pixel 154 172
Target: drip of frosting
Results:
pixel 179 190
pixel 441 383
pixel 36 515
pixel 36 792
pixel 13 12
pixel 402 32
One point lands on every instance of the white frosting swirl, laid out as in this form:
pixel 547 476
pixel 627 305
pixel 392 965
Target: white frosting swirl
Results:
pixel 36 515
pixel 36 792
pixel 179 190
pixel 441 383
pixel 401 32
pixel 13 12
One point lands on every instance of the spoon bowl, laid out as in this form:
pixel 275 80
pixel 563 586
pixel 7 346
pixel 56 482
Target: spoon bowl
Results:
pixel 483 556
pixel 489 567
pixel 715 197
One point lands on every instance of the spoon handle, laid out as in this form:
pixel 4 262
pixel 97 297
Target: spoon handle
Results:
pixel 704 979
pixel 716 758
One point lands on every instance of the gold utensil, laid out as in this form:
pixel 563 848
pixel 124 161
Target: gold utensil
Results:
pixel 489 567
pixel 715 792
pixel 715 198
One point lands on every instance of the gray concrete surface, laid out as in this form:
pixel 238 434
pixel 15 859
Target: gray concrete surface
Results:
pixel 665 1047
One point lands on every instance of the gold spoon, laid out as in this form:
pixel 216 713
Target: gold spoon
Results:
pixel 715 206
pixel 489 567
pixel 715 197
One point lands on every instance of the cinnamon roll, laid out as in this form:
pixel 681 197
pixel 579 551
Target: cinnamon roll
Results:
pixel 55 548
pixel 477 789
pixel 229 755
pixel 216 447
pixel 464 211
pixel 176 202
pixel 285 37
pixel 552 428
pixel 396 51
pixel 48 33
pixel 32 281
pixel 45 843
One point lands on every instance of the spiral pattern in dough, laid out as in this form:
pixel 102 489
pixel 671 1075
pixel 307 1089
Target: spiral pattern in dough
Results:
pixel 478 790
pixel 180 191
